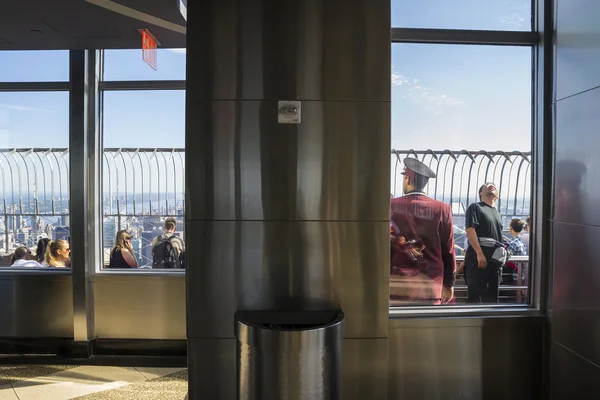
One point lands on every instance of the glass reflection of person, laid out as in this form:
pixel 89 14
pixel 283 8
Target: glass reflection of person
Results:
pixel 482 220
pixel 422 234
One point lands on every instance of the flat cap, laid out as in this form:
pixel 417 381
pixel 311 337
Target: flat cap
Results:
pixel 418 167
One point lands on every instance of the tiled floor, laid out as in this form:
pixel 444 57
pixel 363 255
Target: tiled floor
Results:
pixel 63 382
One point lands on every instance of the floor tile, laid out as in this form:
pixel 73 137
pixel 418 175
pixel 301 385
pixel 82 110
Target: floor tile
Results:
pixel 76 382
pixel 7 393
pixel 16 373
pixel 61 390
pixel 153 373
pixel 170 387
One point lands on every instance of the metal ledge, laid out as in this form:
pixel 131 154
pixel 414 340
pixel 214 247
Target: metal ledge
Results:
pixel 34 86
pixel 142 85
pixel 485 310
pixel 456 36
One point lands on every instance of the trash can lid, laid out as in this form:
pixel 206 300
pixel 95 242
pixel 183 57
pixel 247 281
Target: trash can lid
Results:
pixel 293 319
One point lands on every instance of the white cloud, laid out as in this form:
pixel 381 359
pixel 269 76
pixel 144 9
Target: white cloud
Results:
pixel 412 89
pixel 178 51
pixel 13 107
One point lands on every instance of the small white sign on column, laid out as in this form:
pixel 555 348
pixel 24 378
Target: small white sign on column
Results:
pixel 289 112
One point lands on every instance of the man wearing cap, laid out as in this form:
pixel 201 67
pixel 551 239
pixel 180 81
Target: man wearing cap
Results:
pixel 422 236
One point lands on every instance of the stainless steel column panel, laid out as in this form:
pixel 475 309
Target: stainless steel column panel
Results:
pixel 331 264
pixel 468 358
pixel 320 170
pixel 36 304
pixel 365 369
pixel 287 216
pixel 84 186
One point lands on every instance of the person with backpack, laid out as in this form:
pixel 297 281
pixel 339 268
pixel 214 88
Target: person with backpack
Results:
pixel 168 250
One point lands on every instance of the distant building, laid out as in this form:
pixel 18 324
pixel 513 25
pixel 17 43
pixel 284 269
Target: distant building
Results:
pixel 110 232
pixel 62 233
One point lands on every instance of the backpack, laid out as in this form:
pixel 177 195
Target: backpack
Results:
pixel 164 254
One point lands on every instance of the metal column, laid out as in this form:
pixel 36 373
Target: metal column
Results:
pixel 287 217
pixel 84 193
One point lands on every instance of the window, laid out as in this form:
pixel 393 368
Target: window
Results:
pixel 34 159
pixel 143 174
pixel 508 15
pixel 464 111
pixel 127 65
pixel 34 66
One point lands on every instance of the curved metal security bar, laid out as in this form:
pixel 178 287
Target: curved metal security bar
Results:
pixel 461 173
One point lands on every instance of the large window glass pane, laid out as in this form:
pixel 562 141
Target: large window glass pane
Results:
pixel 34 66
pixel 465 113
pixel 505 15
pixel 128 65
pixel 34 175
pixel 144 139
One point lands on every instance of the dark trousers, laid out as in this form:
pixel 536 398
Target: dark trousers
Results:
pixel 482 284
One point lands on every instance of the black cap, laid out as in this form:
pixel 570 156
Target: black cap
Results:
pixel 418 167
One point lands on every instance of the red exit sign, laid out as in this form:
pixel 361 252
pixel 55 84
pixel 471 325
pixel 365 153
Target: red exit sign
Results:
pixel 149 48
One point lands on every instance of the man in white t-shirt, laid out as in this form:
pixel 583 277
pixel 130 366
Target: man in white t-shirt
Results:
pixel 22 259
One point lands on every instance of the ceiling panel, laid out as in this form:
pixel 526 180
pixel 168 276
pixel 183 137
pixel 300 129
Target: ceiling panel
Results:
pixel 76 24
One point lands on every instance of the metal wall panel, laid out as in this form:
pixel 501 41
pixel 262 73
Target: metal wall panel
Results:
pixel 334 166
pixel 36 306
pixel 577 46
pixel 466 358
pixel 303 50
pixel 577 163
pixel 364 368
pixel 288 265
pixel 139 307
pixel 573 377
pixel 573 313
pixel 576 290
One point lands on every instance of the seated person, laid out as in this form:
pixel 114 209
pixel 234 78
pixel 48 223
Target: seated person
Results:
pixel 58 254
pixel 40 252
pixel 516 246
pixel 22 258
pixel 122 255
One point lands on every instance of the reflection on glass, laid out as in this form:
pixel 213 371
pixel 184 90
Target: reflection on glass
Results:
pixel 507 15
pixel 34 66
pixel 128 65
pixel 34 176
pixel 457 125
pixel 143 199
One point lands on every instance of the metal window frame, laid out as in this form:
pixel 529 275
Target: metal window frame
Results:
pixel 141 85
pixel 108 86
pixel 35 86
pixel 462 36
pixel 494 38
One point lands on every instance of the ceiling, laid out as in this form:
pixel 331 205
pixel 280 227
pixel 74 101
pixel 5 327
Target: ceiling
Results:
pixel 78 24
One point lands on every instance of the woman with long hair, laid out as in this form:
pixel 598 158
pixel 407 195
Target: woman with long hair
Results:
pixel 58 254
pixel 121 256
pixel 40 252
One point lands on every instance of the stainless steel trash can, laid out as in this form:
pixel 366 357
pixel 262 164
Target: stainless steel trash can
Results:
pixel 289 355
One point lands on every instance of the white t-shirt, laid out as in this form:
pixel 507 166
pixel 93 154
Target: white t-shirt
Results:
pixel 27 264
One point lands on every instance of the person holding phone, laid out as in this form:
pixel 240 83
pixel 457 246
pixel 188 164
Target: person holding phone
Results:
pixel 122 256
